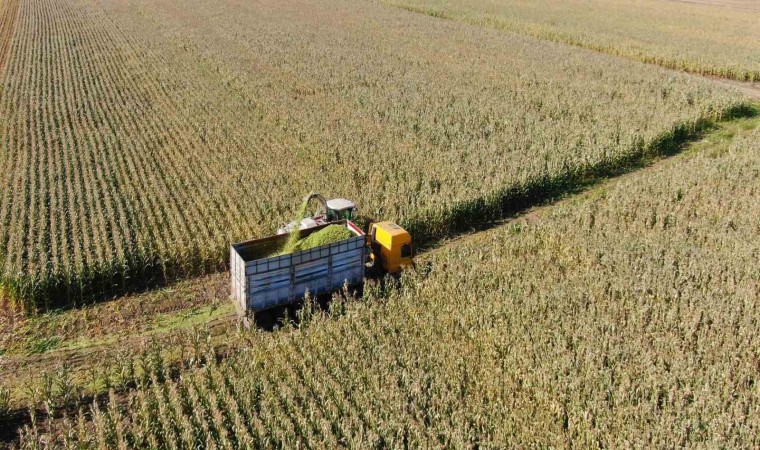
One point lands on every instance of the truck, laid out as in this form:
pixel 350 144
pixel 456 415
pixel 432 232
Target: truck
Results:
pixel 262 279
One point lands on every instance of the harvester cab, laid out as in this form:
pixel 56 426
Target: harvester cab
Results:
pixel 319 211
pixel 340 209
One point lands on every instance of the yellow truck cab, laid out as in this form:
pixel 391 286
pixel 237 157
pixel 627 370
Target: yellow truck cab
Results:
pixel 392 245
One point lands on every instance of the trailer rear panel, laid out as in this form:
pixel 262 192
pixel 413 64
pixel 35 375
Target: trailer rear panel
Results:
pixel 260 283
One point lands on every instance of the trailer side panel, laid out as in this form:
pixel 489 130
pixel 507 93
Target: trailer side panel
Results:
pixel 278 280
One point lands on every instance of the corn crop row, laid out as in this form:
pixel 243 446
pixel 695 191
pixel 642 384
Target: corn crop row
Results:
pixel 8 14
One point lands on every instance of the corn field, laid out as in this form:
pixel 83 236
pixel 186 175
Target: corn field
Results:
pixel 8 11
pixel 626 318
pixel 716 38
pixel 138 139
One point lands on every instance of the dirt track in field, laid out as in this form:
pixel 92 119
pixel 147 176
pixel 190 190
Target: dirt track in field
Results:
pixel 719 4
pixel 751 90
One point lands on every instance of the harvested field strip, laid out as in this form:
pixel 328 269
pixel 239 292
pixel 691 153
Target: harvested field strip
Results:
pixel 129 315
pixel 138 142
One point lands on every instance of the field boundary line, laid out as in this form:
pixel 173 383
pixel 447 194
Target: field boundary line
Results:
pixel 561 37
